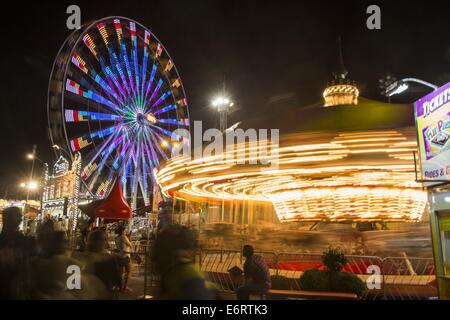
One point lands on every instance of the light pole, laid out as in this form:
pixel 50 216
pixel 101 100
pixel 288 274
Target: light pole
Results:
pixel 400 86
pixel 31 156
pixel 223 105
pixel 31 185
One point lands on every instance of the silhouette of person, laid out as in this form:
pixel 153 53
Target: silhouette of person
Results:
pixel 257 276
pixel 172 255
pixel 123 245
pixel 16 250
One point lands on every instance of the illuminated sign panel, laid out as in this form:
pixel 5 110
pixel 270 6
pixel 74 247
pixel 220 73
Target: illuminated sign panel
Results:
pixel 433 131
pixel 61 166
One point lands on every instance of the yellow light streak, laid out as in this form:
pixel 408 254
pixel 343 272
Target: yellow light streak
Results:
pixel 315 180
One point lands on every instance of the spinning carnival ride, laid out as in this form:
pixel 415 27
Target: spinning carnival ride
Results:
pixel 115 97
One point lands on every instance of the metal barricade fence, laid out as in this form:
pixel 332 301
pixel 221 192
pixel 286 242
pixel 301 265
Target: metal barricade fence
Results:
pixel 138 257
pixel 142 269
pixel 398 278
pixel 408 278
pixel 216 263
pixel 292 265
pixel 385 278
pixel 369 270
pixel 142 266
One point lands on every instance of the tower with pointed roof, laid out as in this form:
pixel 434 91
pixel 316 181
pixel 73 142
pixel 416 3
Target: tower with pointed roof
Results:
pixel 341 90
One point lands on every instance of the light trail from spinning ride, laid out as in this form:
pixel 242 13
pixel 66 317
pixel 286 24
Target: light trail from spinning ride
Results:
pixel 358 176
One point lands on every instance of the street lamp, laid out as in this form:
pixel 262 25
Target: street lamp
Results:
pixel 35 157
pixel 32 185
pixel 400 86
pixel 31 156
pixel 223 105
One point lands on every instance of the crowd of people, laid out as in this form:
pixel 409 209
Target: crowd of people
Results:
pixel 43 266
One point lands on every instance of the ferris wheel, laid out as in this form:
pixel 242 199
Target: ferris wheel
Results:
pixel 115 97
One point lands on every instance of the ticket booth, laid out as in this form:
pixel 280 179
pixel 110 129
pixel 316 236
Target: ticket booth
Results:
pixel 440 230
pixel 432 114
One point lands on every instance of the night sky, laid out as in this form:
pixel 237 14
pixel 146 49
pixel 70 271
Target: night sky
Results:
pixel 265 51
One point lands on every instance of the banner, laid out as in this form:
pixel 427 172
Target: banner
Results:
pixel 433 132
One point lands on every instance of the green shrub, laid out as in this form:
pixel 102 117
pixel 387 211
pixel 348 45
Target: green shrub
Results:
pixel 334 259
pixel 332 280
pixel 280 282
pixel 317 280
pixel 314 280
pixel 346 282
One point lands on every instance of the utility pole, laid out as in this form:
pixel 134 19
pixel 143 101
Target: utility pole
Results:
pixel 25 216
pixel 31 173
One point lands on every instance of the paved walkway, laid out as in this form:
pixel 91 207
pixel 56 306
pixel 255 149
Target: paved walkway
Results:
pixel 137 285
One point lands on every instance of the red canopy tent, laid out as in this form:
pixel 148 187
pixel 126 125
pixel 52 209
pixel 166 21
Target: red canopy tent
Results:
pixel 114 207
pixel 89 208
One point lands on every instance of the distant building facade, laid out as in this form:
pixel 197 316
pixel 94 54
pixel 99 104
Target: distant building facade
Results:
pixel 61 190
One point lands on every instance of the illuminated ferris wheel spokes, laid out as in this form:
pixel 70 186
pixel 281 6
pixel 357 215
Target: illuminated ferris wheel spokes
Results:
pixel 123 99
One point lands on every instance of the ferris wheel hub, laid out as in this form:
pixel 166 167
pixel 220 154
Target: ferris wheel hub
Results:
pixel 140 118
pixel 143 119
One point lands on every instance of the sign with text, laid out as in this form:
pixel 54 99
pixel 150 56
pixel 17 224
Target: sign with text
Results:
pixel 433 132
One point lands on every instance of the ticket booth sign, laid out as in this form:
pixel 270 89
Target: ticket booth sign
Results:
pixel 432 114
